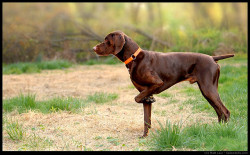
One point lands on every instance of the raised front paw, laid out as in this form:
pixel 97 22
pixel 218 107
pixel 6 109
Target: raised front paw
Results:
pixel 138 99
pixel 148 100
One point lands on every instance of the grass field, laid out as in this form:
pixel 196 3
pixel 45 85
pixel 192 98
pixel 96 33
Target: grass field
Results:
pixel 93 108
pixel 35 67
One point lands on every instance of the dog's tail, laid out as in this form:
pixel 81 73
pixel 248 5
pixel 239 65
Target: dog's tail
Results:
pixel 216 58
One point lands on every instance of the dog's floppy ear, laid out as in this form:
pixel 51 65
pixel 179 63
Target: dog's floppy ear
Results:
pixel 119 42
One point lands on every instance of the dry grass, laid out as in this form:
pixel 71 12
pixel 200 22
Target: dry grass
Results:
pixel 112 126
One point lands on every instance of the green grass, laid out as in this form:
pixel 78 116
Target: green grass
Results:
pixel 167 137
pixel 24 103
pixel 114 141
pixel 239 58
pixel 17 133
pixel 231 136
pixel 164 95
pixel 20 103
pixel 65 104
pixel 14 130
pixel 201 137
pixel 36 143
pixel 35 67
pixel 216 137
pixel 101 97
pixel 109 60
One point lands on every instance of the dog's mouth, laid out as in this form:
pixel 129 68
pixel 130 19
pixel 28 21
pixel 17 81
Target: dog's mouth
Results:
pixel 94 48
pixel 99 53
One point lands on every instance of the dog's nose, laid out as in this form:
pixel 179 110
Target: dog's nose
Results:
pixel 94 48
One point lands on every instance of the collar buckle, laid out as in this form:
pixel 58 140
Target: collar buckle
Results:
pixel 133 56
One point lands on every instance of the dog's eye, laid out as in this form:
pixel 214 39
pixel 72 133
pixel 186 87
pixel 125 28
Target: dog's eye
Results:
pixel 108 42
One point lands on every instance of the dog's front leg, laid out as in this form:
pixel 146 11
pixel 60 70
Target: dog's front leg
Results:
pixel 148 91
pixel 147 118
pixel 146 98
pixel 147 105
pixel 153 81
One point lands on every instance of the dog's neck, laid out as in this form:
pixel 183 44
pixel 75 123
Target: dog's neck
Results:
pixel 129 48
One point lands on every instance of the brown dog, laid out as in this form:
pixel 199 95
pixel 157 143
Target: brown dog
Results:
pixel 153 72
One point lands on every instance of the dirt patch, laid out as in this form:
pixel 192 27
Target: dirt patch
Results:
pixel 76 82
pixel 112 126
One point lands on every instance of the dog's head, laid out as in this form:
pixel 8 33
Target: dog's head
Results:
pixel 113 44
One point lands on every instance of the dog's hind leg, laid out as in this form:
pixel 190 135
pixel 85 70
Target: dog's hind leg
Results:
pixel 208 85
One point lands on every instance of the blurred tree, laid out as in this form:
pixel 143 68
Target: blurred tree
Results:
pixel 135 8
pixel 151 13
pixel 33 31
pixel 202 17
pixel 239 16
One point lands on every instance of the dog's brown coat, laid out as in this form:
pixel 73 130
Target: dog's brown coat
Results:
pixel 153 72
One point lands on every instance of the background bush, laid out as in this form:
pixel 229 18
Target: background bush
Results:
pixel 45 31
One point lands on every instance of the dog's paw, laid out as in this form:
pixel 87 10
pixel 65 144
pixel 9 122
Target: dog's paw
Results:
pixel 138 100
pixel 148 100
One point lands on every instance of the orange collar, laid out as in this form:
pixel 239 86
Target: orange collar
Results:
pixel 133 56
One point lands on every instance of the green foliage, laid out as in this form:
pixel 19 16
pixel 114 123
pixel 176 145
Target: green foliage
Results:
pixel 202 137
pixel 35 67
pixel 14 130
pixel 55 64
pixel 164 95
pixel 101 97
pixel 19 68
pixel 108 61
pixel 24 103
pixel 204 41
pixel 114 141
pixel 35 142
pixel 167 137
pixel 57 104
pixel 217 137
pixel 65 30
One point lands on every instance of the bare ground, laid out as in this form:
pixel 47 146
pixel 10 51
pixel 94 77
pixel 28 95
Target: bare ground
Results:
pixel 112 126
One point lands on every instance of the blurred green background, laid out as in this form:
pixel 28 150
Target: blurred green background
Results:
pixel 34 32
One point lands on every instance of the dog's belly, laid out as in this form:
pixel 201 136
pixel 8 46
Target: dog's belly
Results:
pixel 171 69
pixel 166 85
pixel 169 80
